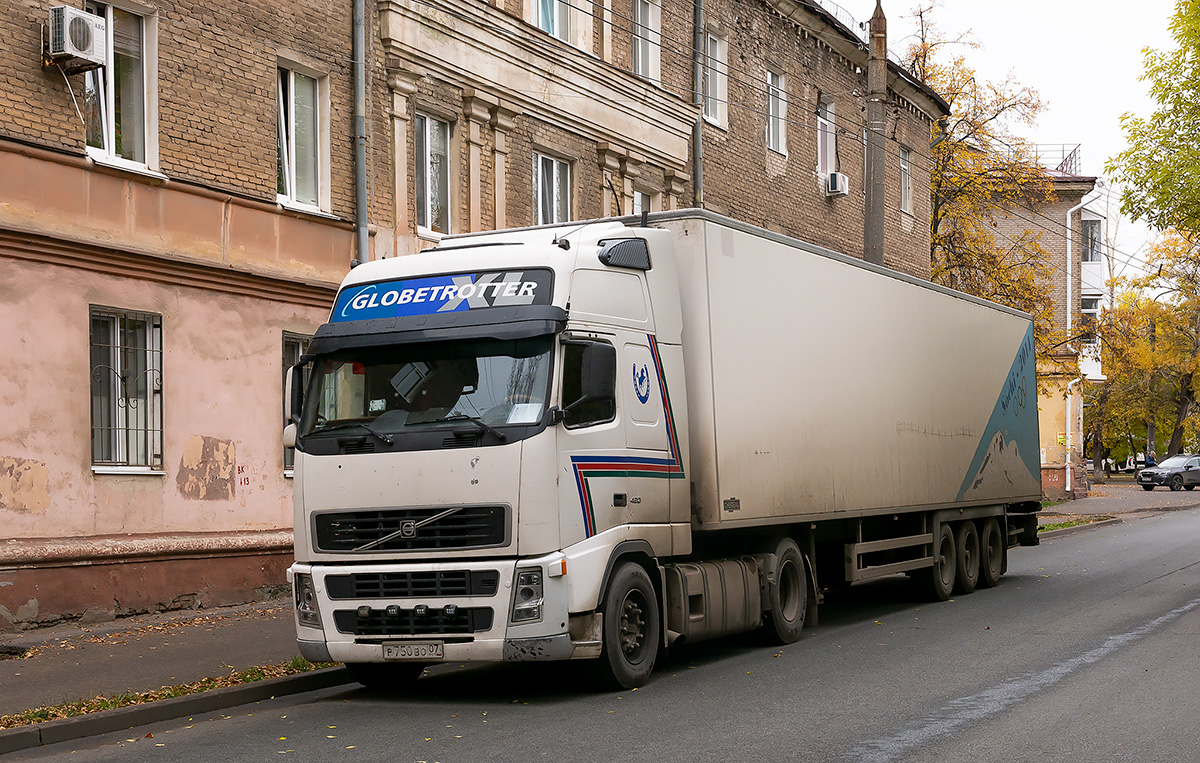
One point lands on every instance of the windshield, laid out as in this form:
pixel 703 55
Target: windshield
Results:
pixel 1174 462
pixel 414 387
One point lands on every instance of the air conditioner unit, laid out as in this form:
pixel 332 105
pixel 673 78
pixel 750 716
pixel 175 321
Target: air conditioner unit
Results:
pixel 837 184
pixel 77 38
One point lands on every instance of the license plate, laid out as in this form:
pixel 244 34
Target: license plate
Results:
pixel 414 650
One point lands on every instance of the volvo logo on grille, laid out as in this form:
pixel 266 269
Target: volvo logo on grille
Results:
pixel 408 529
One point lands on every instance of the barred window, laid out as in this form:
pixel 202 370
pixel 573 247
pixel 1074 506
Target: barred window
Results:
pixel 126 378
pixel 294 346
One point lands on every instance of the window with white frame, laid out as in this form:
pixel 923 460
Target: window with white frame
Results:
pixel 716 84
pixel 647 15
pixel 826 138
pixel 553 17
pixel 301 136
pixel 126 382
pixel 117 97
pixel 432 138
pixel 777 112
pixel 906 180
pixel 1092 244
pixel 551 189
pixel 294 347
pixel 1090 308
pixel 642 202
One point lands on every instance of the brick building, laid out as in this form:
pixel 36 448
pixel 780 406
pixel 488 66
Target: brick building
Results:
pixel 522 112
pixel 174 223
pixel 165 248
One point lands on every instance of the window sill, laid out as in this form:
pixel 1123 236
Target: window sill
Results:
pixel 780 152
pixel 430 235
pixel 144 471
pixel 289 474
pixel 715 122
pixel 124 165
pixel 295 206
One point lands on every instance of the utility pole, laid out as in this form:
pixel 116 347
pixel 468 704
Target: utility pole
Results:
pixel 876 125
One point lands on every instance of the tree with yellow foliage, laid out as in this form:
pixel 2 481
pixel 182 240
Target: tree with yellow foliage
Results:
pixel 979 167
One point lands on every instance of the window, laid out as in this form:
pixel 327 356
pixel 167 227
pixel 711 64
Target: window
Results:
pixel 116 96
pixel 1092 246
pixel 777 112
pixel 551 190
pixel 642 202
pixel 301 136
pixel 826 138
pixel 715 85
pixel 126 379
pixel 596 410
pixel 294 346
pixel 1090 308
pixel 553 18
pixel 433 174
pixel 906 180
pixel 646 29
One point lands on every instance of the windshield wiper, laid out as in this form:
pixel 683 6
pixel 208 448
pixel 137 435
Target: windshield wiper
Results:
pixel 478 422
pixel 385 439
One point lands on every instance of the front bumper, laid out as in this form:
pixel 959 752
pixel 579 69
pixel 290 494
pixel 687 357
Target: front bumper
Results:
pixel 1153 479
pixel 465 605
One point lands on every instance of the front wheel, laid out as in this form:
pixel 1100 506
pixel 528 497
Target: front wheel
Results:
pixel 631 630
pixel 1177 482
pixel 1147 488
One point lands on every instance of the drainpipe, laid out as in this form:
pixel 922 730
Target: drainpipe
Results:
pixel 698 99
pixel 360 132
pixel 1070 433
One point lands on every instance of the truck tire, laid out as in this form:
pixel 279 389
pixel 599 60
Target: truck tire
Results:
pixel 631 629
pixel 385 676
pixel 787 594
pixel 938 580
pixel 991 553
pixel 966 547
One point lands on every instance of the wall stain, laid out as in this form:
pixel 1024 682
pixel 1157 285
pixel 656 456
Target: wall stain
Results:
pixel 24 485
pixel 207 469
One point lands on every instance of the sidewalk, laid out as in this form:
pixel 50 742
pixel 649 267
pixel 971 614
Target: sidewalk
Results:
pixel 1122 497
pixel 75 662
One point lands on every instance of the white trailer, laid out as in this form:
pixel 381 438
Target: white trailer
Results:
pixel 601 439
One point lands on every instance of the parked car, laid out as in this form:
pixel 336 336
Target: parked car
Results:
pixel 1176 472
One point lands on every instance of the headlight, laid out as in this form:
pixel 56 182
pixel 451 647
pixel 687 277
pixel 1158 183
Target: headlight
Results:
pixel 527 596
pixel 307 611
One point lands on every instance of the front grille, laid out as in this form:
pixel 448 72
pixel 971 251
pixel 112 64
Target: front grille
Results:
pixel 408 623
pixel 468 527
pixel 400 585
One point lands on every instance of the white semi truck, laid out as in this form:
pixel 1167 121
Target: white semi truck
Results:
pixel 597 440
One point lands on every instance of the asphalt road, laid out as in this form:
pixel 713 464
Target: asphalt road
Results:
pixel 1087 651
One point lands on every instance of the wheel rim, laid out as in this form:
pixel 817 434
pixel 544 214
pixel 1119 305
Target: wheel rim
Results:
pixel 945 569
pixel 789 590
pixel 969 554
pixel 993 551
pixel 633 626
pixel 1177 482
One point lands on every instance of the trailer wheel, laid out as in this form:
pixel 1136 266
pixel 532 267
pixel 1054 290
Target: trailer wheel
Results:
pixel 787 594
pixel 991 557
pixel 631 630
pixel 938 580
pixel 385 676
pixel 966 545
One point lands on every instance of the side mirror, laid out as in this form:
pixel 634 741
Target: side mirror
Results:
pixel 289 435
pixel 294 394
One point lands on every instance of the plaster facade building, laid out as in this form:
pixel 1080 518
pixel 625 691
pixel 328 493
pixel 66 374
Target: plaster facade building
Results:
pixel 174 222
pixel 1072 236
pixel 166 249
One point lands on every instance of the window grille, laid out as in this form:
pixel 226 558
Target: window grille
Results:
pixel 126 381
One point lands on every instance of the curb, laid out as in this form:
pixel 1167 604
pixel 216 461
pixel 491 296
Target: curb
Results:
pixel 65 729
pixel 1079 528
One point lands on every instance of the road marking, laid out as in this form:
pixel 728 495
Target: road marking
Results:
pixel 997 699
